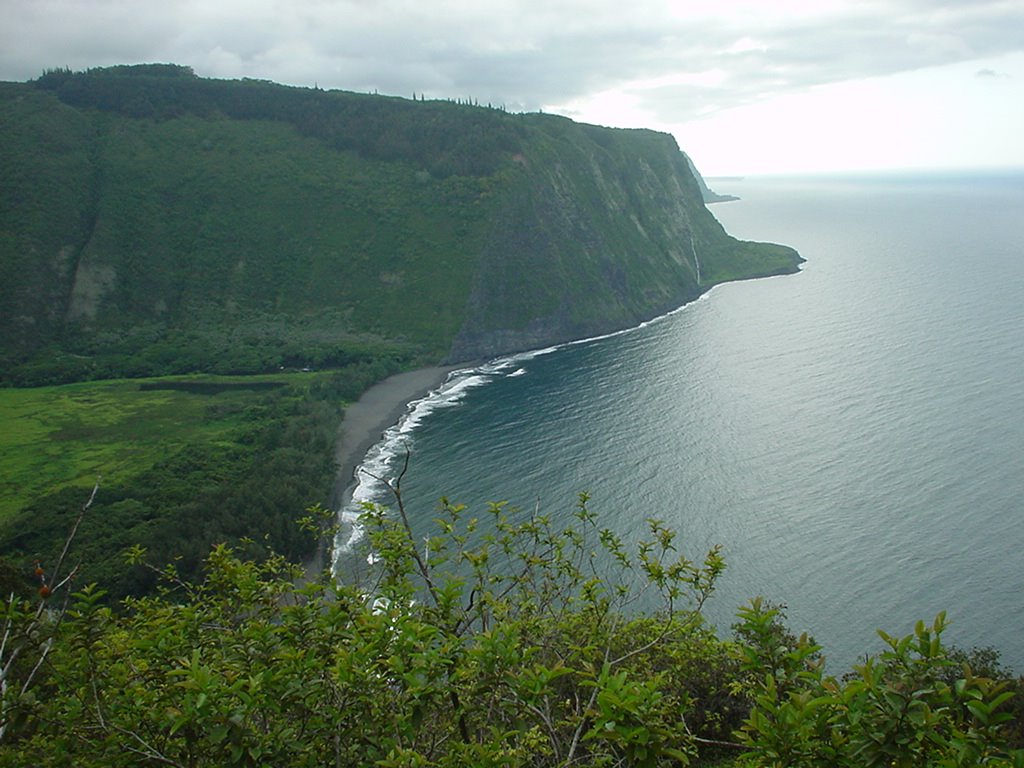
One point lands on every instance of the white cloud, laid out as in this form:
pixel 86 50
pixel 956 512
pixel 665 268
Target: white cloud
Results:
pixel 655 63
pixel 936 117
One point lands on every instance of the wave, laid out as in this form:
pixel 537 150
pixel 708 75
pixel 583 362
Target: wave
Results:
pixel 380 464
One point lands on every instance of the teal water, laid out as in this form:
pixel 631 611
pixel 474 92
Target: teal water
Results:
pixel 852 435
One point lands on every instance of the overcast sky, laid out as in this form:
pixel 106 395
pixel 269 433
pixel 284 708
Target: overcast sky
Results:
pixel 746 86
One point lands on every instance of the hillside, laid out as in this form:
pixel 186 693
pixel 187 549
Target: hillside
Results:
pixel 153 222
pixel 709 195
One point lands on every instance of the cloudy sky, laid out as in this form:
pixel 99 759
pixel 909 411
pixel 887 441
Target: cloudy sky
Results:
pixel 746 86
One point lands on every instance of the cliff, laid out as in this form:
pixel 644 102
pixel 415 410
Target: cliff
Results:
pixel 600 230
pixel 155 222
pixel 709 195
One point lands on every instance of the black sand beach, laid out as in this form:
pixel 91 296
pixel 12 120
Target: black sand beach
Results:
pixel 363 425
pixel 365 421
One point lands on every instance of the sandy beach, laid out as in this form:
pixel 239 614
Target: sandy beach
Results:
pixel 363 425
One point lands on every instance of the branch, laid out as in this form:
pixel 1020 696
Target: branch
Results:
pixel 33 622
pixel 395 486
pixel 579 729
pixel 653 642
pixel 74 531
pixel 147 750
pixel 711 742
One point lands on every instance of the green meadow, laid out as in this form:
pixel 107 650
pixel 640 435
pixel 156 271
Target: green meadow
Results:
pixel 182 462
pixel 72 435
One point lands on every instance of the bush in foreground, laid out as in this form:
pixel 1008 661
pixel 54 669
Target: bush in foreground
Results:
pixel 520 646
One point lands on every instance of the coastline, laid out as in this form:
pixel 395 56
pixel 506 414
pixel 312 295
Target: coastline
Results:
pixel 363 425
pixel 364 422
pixel 382 406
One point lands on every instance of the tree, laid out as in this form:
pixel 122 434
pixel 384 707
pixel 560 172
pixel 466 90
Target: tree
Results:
pixel 909 706
pixel 515 642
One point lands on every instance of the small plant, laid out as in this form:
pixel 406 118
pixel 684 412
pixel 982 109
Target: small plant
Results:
pixel 908 706
pixel 29 631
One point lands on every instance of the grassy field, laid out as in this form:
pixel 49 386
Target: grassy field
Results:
pixel 54 437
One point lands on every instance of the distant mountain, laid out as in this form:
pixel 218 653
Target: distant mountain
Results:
pixel 709 195
pixel 155 222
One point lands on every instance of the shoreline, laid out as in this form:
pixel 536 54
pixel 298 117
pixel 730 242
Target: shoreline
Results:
pixel 363 425
pixel 382 406
pixel 379 408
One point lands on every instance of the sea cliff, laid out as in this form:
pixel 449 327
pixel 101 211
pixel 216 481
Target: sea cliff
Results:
pixel 154 222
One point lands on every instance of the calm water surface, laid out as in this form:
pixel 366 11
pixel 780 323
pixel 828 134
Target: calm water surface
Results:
pixel 852 435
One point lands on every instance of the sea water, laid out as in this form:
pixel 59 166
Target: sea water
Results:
pixel 853 435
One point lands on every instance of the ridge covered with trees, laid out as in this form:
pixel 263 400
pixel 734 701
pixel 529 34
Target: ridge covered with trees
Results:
pixel 153 222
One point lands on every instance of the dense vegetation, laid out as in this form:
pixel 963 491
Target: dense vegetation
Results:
pixel 515 648
pixel 185 463
pixel 153 223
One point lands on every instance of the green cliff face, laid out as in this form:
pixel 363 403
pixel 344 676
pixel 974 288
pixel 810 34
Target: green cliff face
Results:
pixel 155 222
pixel 599 230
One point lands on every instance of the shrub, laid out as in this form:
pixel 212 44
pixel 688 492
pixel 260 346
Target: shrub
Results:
pixel 504 641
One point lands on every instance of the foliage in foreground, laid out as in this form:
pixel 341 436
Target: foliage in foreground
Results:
pixel 520 646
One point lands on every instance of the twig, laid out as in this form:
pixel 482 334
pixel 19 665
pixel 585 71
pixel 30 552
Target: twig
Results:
pixel 33 622
pixel 395 486
pixel 147 750
pixel 74 531
pixel 711 742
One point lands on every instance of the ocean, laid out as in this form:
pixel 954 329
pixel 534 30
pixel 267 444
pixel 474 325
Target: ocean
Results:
pixel 853 435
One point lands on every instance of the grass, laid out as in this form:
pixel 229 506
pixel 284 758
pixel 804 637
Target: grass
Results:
pixel 53 437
